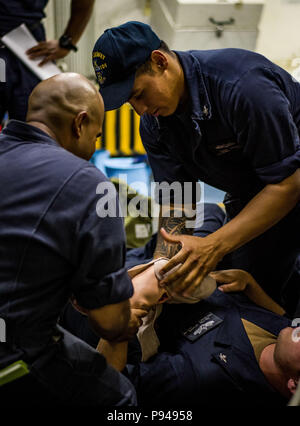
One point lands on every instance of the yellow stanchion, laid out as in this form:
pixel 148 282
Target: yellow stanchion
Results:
pixel 138 145
pixel 121 134
pixel 125 136
pixel 110 132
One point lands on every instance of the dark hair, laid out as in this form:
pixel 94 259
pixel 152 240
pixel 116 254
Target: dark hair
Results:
pixel 164 47
pixel 146 67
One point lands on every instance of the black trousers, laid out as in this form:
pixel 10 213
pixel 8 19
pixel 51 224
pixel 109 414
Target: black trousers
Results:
pixel 70 372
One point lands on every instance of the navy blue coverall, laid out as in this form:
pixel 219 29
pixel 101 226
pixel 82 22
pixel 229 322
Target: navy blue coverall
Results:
pixel 20 81
pixel 216 368
pixel 239 134
pixel 53 244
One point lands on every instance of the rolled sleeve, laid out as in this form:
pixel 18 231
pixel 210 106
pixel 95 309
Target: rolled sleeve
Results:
pixel 279 171
pixel 261 115
pixel 112 288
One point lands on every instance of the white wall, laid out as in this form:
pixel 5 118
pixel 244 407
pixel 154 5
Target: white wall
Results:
pixel 107 13
pixel 279 37
pixel 50 20
pixel 279 28
pixel 110 13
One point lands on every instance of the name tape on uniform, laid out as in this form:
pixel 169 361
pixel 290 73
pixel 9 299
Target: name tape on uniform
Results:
pixel 202 326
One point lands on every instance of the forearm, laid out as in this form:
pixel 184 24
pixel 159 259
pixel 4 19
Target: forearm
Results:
pixel 114 353
pixel 174 224
pixel 236 280
pixel 81 11
pixel 265 210
pixel 110 321
pixel 255 293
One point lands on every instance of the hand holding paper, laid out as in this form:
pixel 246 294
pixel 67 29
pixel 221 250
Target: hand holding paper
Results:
pixel 50 50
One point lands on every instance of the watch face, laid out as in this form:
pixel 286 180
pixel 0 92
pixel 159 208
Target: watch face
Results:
pixel 66 42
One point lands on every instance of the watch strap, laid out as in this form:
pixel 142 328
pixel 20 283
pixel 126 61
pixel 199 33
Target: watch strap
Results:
pixel 65 41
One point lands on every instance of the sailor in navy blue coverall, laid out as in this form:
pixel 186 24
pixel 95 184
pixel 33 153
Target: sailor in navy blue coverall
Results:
pixel 205 357
pixel 54 245
pixel 213 368
pixel 214 365
pixel 20 81
pixel 230 118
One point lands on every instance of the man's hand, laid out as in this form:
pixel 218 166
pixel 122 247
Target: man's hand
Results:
pixel 232 280
pixel 81 11
pixel 198 257
pixel 50 50
pixel 134 324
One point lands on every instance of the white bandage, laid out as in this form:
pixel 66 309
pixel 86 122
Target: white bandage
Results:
pixel 204 290
pixel 147 336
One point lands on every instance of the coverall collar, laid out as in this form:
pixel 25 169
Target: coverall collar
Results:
pixel 201 107
pixel 25 132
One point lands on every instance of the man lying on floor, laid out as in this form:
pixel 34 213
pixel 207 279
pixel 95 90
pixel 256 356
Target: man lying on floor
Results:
pixel 225 350
pixel 229 349
pixel 232 349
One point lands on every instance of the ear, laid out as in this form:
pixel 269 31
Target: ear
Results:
pixel 159 60
pixel 292 386
pixel 78 123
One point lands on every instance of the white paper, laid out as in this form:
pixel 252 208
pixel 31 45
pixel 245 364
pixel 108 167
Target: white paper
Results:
pixel 19 41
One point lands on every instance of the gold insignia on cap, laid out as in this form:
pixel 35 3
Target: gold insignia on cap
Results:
pixel 98 55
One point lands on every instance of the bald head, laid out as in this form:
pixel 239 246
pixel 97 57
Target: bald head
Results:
pixel 70 106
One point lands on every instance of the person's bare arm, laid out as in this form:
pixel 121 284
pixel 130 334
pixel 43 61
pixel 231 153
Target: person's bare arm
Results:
pixel 115 331
pixel 266 209
pixel 81 11
pixel 116 323
pixel 110 321
pixel 234 280
pixel 173 220
pixel 199 256
pixel 114 353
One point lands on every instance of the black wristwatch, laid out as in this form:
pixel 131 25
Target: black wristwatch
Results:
pixel 65 42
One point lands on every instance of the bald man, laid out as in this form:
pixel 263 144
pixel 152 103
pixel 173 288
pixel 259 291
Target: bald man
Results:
pixel 235 348
pixel 54 246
